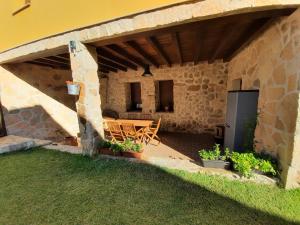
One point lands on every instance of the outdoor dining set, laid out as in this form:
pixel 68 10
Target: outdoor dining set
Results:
pixel 142 131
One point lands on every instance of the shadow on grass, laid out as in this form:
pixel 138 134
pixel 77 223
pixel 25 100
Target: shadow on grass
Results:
pixel 46 187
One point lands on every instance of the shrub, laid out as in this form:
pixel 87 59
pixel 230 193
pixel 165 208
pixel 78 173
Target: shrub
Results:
pixel 129 145
pixel 245 163
pixel 105 144
pixel 117 147
pixel 214 154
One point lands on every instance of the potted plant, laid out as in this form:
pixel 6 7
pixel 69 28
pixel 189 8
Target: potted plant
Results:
pixel 109 148
pixel 214 159
pixel 132 150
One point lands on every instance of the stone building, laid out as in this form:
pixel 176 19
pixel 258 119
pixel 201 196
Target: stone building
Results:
pixel 198 50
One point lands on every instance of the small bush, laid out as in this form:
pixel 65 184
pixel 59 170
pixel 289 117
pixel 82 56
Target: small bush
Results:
pixel 214 154
pixel 245 163
pixel 129 145
pixel 117 147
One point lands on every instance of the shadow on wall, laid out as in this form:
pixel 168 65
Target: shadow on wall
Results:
pixel 34 122
pixel 51 82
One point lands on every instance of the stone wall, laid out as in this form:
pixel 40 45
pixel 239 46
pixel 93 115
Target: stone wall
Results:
pixel 35 102
pixel 271 64
pixel 199 95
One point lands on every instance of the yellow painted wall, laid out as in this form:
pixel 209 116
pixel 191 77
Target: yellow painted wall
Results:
pixel 48 17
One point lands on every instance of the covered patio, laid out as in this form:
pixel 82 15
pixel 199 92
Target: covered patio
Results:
pixel 179 72
pixel 188 84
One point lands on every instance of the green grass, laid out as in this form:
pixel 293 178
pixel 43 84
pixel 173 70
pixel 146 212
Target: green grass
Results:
pixel 48 187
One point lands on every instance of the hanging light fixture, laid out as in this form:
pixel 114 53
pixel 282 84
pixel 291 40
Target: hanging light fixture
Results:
pixel 147 72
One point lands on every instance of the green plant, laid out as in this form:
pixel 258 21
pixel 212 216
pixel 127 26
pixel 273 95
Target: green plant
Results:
pixel 267 167
pixel 214 154
pixel 129 145
pixel 248 142
pixel 117 147
pixel 105 144
pixel 245 163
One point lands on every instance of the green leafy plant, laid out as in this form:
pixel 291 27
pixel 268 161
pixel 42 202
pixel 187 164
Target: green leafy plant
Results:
pixel 246 163
pixel 105 144
pixel 129 145
pixel 214 154
pixel 117 147
pixel 267 167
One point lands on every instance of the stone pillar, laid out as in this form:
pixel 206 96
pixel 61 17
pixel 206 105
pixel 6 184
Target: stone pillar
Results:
pixel 291 172
pixel 85 71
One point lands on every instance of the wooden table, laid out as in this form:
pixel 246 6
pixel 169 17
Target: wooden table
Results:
pixel 136 123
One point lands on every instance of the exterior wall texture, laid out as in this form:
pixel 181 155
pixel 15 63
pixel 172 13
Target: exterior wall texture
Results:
pixel 271 63
pixel 69 15
pixel 199 95
pixel 35 102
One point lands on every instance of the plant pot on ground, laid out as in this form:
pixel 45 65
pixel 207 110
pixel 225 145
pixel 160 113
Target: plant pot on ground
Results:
pixel 132 150
pixel 108 148
pixel 130 154
pixel 214 159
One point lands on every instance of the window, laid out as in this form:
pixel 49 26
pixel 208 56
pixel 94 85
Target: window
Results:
pixel 135 100
pixel 164 96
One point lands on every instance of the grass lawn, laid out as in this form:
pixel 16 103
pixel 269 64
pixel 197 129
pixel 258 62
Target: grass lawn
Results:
pixel 48 187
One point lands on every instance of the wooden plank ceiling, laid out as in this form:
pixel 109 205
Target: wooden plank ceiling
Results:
pixel 209 40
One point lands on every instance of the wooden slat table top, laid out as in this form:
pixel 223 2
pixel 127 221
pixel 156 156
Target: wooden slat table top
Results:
pixel 136 123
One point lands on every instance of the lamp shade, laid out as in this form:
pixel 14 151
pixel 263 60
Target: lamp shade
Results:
pixel 147 72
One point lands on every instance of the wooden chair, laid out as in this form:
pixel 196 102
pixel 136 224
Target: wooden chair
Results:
pixel 151 132
pixel 115 131
pixel 130 132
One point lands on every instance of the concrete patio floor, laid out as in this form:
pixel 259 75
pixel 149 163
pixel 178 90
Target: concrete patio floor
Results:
pixel 13 143
pixel 180 146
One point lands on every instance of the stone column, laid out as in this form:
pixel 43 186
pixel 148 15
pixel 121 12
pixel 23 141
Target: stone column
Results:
pixel 291 172
pixel 85 71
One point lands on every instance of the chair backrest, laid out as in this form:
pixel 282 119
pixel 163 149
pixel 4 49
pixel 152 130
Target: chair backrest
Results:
pixel 113 126
pixel 157 124
pixel 115 130
pixel 128 129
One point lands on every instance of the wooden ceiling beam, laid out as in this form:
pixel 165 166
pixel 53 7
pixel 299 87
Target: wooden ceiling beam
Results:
pixel 111 64
pixel 109 56
pixel 198 36
pixel 59 58
pixel 225 41
pixel 254 31
pixel 63 57
pixel 159 50
pixel 137 48
pixel 176 41
pixel 56 61
pixel 123 53
pixel 108 68
pixel 54 64
pixel 34 62
pixel 103 70
pixel 243 17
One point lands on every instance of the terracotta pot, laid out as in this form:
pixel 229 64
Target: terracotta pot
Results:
pixel 136 155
